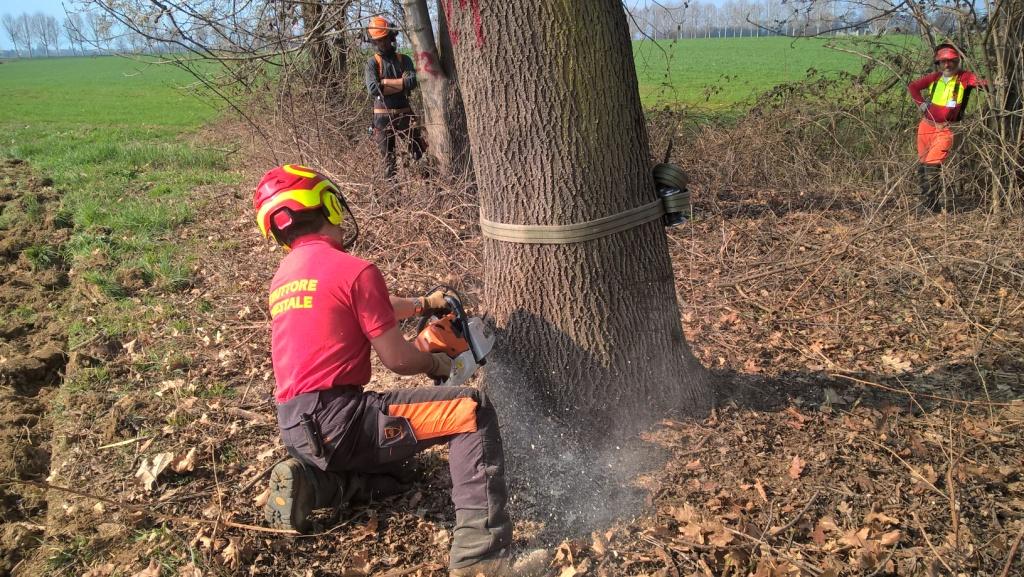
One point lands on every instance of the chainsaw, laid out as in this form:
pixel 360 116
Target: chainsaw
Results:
pixel 467 340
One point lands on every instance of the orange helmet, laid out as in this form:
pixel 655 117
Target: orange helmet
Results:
pixel 379 28
pixel 946 52
pixel 293 188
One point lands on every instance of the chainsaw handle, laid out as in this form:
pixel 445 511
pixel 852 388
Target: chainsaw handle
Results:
pixel 460 314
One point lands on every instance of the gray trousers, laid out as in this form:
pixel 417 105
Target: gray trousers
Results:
pixel 373 433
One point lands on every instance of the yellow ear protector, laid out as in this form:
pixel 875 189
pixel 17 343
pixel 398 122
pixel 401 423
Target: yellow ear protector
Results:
pixel 323 195
pixel 335 208
pixel 332 207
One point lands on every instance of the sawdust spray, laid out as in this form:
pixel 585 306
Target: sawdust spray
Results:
pixel 572 485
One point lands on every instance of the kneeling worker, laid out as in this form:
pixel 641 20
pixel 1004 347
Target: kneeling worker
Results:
pixel 328 309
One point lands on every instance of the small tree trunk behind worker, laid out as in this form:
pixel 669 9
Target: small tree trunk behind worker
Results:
pixel 941 97
pixel 390 77
pixel 328 310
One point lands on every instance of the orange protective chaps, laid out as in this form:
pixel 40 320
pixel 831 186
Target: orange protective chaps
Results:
pixel 933 142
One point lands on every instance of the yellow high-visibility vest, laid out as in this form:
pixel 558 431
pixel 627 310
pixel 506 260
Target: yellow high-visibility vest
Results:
pixel 943 92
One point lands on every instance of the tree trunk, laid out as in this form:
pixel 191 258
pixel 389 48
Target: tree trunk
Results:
pixel 319 51
pixel 443 113
pixel 558 137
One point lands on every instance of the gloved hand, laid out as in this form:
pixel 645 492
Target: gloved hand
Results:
pixel 441 367
pixel 434 301
pixel 923 107
pixel 408 80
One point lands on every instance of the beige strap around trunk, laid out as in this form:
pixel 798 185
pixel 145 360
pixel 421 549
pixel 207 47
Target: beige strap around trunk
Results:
pixel 570 233
pixel 664 175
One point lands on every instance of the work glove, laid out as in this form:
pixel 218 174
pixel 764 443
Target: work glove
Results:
pixel 923 107
pixel 408 80
pixel 441 366
pixel 434 302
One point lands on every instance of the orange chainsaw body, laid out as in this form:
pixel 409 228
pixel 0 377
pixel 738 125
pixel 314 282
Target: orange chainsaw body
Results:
pixel 440 336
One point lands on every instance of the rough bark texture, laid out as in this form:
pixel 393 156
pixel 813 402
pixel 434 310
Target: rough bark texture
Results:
pixel 443 114
pixel 558 137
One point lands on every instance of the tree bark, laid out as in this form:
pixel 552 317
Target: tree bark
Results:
pixel 443 113
pixel 558 137
pixel 313 25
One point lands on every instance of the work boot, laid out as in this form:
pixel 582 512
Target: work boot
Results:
pixel 529 564
pixel 930 182
pixel 296 489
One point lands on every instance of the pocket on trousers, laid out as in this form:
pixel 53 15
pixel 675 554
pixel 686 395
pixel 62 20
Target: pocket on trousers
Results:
pixel 394 432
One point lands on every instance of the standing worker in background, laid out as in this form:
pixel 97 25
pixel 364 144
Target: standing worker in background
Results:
pixel 328 309
pixel 390 77
pixel 946 93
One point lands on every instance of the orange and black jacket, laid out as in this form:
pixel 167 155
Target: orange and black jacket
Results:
pixel 393 65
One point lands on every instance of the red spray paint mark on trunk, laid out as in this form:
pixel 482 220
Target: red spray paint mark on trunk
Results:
pixel 449 8
pixel 478 23
pixel 425 61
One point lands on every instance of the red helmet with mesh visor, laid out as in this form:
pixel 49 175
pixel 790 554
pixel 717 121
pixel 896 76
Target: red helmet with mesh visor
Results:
pixel 293 188
pixel 946 53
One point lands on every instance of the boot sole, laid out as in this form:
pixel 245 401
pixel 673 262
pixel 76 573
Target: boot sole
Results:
pixel 282 510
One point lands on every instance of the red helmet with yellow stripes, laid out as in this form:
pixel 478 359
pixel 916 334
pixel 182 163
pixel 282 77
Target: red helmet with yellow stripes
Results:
pixel 290 189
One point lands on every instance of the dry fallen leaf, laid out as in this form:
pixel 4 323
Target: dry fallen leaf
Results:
pixel 683 514
pixel 798 418
pixel 760 490
pixel 881 518
pixel 599 545
pixel 721 538
pixel 149 473
pixel 262 498
pixel 890 538
pixel 104 570
pixel 855 538
pixel 185 463
pixel 894 362
pixel 796 467
pixel 189 570
pixel 213 510
pixel 824 524
pixel 231 555
pixel 152 571
pixel 266 453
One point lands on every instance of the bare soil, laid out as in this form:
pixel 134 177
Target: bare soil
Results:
pixel 32 349
pixel 869 416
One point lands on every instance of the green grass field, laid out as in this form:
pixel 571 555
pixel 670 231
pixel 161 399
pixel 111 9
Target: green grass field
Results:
pixel 113 135
pixel 719 73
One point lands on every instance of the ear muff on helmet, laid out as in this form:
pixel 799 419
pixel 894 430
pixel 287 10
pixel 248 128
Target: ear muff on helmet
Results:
pixel 332 207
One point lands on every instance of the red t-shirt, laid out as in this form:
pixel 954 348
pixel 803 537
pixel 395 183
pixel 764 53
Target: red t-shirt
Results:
pixel 944 112
pixel 326 305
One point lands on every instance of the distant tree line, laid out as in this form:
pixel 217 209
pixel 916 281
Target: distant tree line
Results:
pixel 741 18
pixel 76 33
pixel 38 34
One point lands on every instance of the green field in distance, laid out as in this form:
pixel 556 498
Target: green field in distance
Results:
pixel 719 73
